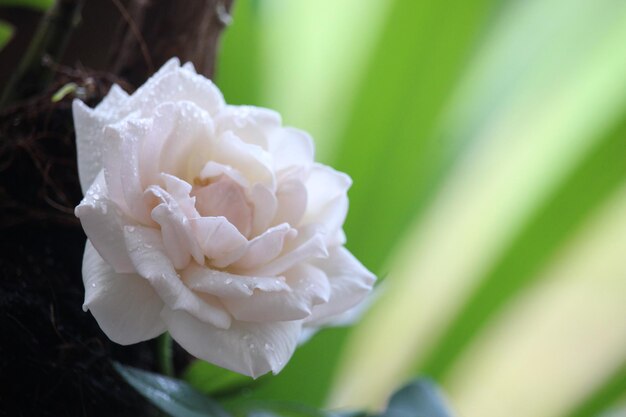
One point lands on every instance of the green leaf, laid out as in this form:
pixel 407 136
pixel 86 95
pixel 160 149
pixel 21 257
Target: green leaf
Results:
pixel 538 163
pixel 173 396
pixel 238 74
pixel 211 379
pixel 587 187
pixel 391 146
pixel 41 5
pixel 601 401
pixel 420 398
pixel 6 33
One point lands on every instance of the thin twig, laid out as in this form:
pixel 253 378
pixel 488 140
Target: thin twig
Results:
pixel 136 33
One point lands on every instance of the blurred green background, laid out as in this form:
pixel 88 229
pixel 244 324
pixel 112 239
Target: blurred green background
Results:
pixel 487 144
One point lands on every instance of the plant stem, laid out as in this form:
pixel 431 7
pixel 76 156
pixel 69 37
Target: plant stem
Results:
pixel 164 354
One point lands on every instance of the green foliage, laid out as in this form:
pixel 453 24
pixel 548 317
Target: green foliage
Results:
pixel 6 33
pixel 211 379
pixel 33 4
pixel 531 92
pixel 419 398
pixel 172 396
pixel 391 146
pixel 238 67
pixel 604 397
pixel 592 182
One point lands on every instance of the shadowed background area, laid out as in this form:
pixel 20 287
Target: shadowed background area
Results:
pixel 487 144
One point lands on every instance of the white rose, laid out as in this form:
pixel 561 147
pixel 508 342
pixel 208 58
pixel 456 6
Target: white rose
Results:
pixel 211 222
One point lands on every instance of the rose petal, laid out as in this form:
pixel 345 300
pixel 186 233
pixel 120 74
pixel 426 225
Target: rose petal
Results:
pixel 103 225
pixel 213 169
pixel 309 286
pixel 292 202
pixel 189 140
pixel 178 236
pixel 248 348
pixel 181 192
pixel 89 138
pixel 219 240
pixel 224 284
pixel 225 198
pixel 89 124
pixel 264 208
pixel 188 66
pixel 327 198
pixel 124 305
pixel 174 84
pixel 265 247
pixel 349 280
pixel 121 167
pixel 252 124
pixel 149 257
pixel 309 244
pixel 112 101
pixel 251 161
pixel 291 147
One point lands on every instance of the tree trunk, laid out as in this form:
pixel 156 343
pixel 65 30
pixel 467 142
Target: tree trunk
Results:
pixel 155 31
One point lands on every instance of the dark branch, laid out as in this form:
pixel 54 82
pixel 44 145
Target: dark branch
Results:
pixel 188 29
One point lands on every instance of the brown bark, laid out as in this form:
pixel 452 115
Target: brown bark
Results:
pixel 154 31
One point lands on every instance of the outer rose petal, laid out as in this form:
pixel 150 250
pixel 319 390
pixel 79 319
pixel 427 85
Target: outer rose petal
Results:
pixel 248 348
pixel 350 282
pixel 173 83
pixel 103 226
pixel 308 287
pixel 148 255
pixel 124 305
pixel 327 200
pixel 89 127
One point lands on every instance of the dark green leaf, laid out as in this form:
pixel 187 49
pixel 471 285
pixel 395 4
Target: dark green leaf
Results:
pixel 265 408
pixel 173 396
pixel 420 398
